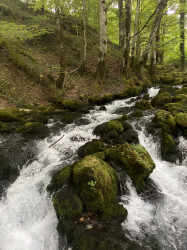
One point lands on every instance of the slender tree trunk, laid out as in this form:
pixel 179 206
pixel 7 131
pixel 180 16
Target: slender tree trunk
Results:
pixel 121 23
pixel 152 36
pixel 136 27
pixel 182 33
pixel 85 26
pixel 162 49
pixel 157 45
pixel 101 68
pixel 61 78
pixel 126 49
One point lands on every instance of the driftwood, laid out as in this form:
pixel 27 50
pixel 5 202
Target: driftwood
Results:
pixel 56 141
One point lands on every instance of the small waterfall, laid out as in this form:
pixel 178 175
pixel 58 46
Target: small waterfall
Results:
pixel 27 217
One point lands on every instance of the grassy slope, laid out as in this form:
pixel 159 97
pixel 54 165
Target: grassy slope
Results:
pixel 29 67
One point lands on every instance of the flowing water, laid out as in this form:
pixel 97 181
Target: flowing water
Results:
pixel 27 217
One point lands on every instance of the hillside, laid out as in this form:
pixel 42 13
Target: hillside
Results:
pixel 29 59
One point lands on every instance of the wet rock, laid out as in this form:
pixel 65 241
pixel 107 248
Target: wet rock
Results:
pixel 10 115
pixel 181 91
pixel 143 104
pixel 101 100
pixel 130 136
pixel 72 104
pixel 169 150
pixel 137 113
pixel 82 121
pixel 181 120
pixel 34 129
pixel 168 88
pixel 70 117
pixel 7 171
pixel 91 148
pixel 102 108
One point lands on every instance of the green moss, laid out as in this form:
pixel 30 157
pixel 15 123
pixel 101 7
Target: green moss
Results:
pixel 60 178
pixel 167 88
pixel 101 100
pixel 6 128
pixel 180 97
pixel 165 120
pixel 32 129
pixel 90 148
pixel 174 108
pixel 161 99
pixel 135 160
pixel 181 120
pixel 10 115
pixel 72 104
pixel 114 211
pixel 181 91
pixel 94 169
pixel 114 125
pixel 143 104
pixel 168 146
pixel 137 113
pixel 67 204
pixel 167 78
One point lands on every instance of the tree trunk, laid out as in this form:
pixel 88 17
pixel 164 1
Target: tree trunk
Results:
pixel 101 67
pixel 152 36
pixel 121 23
pixel 136 27
pixel 60 80
pixel 182 33
pixel 85 40
pixel 126 49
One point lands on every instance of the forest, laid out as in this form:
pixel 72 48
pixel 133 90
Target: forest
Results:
pixel 93 125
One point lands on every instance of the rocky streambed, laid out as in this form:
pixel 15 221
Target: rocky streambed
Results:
pixel 115 180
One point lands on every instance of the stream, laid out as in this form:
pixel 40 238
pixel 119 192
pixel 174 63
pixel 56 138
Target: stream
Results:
pixel 156 220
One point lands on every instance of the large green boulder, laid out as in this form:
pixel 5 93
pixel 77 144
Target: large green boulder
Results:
pixel 91 148
pixel 96 182
pixel 135 160
pixel 67 204
pixel 174 108
pixel 101 100
pixel 6 127
pixel 163 117
pixel 143 104
pixel 161 99
pixel 167 88
pixel 10 115
pixel 181 120
pixel 60 178
pixel 180 97
pixel 34 129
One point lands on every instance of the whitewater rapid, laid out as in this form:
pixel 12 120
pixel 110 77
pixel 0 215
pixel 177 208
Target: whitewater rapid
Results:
pixel 28 220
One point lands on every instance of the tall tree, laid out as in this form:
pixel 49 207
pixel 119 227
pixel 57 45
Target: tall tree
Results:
pixel 158 15
pixel 126 49
pixel 182 33
pixel 121 23
pixel 101 67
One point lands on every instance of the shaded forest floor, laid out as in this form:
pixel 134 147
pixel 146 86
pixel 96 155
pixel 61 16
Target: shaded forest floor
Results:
pixel 29 67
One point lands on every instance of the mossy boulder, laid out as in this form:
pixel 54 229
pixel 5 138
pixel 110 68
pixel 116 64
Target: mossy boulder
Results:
pixel 67 204
pixel 10 115
pixel 72 104
pixel 137 113
pixel 181 91
pixel 132 91
pixel 96 182
pixel 175 108
pixel 6 128
pixel 167 78
pixel 180 97
pixel 90 148
pixel 181 120
pixel 37 117
pixel 101 100
pixel 143 104
pixel 60 178
pixel 168 88
pixel 135 160
pixel 34 129
pixel 114 125
pixel 70 117
pixel 161 99
pixel 168 147
pixel 165 120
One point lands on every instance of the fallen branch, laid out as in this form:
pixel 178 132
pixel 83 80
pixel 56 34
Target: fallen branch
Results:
pixel 56 141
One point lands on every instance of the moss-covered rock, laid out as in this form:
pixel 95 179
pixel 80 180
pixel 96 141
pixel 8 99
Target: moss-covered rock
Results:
pixel 114 125
pixel 174 108
pixel 70 117
pixel 67 204
pixel 143 104
pixel 161 99
pixel 90 148
pixel 101 100
pixel 137 113
pixel 180 97
pixel 181 120
pixel 168 88
pixel 168 147
pixel 135 160
pixel 72 104
pixel 114 211
pixel 34 129
pixel 96 182
pixel 60 178
pixel 6 128
pixel 181 91
pixel 167 78
pixel 10 115
pixel 36 117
